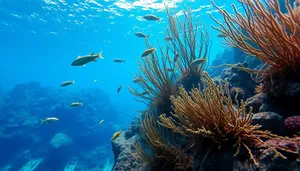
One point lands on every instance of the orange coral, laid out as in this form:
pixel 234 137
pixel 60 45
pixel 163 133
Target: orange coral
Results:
pixel 259 88
pixel 268 34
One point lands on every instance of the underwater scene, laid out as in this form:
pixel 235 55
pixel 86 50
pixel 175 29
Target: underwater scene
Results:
pixel 150 85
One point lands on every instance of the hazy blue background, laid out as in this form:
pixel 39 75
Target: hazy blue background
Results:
pixel 40 39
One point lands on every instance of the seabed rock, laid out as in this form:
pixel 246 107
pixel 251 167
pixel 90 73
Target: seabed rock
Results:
pixel 269 121
pixel 124 158
pixel 60 139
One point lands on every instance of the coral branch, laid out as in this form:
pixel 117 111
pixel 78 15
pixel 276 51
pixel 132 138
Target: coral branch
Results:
pixel 192 41
pixel 268 34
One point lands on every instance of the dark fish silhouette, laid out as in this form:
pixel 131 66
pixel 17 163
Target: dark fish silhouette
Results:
pixel 119 88
pixel 148 52
pixel 82 60
pixel 152 17
pixel 142 35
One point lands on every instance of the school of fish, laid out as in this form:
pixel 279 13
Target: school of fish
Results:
pixel 87 59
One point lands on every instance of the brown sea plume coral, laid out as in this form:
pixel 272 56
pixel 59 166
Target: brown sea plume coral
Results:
pixel 209 114
pixel 191 41
pixel 162 155
pixel 266 33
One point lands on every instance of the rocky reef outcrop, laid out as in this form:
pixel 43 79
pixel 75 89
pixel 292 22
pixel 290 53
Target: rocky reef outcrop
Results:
pixel 266 114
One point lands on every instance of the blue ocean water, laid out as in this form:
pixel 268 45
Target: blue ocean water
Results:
pixel 39 41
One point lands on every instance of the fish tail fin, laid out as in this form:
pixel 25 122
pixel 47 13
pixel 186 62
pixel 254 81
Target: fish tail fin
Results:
pixel 81 104
pixel 73 81
pixel 42 121
pixel 100 55
pixel 147 36
pixel 160 19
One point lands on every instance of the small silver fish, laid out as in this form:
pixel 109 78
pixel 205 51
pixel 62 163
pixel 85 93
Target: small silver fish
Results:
pixel 83 60
pixel 67 83
pixel 119 60
pixel 95 81
pixel 148 52
pixel 76 104
pixel 119 88
pixel 101 122
pixel 142 35
pixel 152 17
pixel 49 120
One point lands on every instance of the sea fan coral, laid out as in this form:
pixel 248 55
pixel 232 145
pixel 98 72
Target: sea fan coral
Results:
pixel 266 33
pixel 159 75
pixel 202 114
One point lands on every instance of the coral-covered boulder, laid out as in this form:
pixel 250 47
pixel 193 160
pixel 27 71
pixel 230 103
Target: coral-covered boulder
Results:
pixel 292 124
pixel 269 121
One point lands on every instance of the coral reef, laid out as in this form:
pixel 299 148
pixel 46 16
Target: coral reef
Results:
pixel 201 115
pixel 236 121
